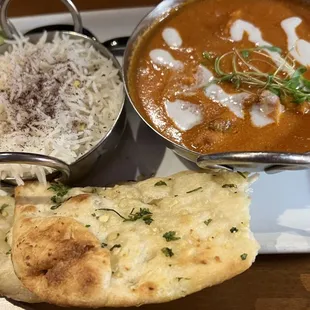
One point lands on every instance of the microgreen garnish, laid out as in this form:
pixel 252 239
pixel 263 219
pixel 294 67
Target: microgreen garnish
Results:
pixel 245 53
pixel 148 220
pixel 242 174
pixel 160 183
pixel 208 221
pixel 181 278
pixel 167 252
pixel 115 246
pixel 244 256
pixel 270 48
pixel 145 214
pixel 229 186
pixel 170 236
pixel 87 225
pixel 60 191
pixel 5 205
pixel 207 55
pixel 233 230
pixel 54 207
pixel 112 210
pixel 283 79
pixel 194 190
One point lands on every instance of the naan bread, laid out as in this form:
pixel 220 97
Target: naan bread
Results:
pixel 78 254
pixel 10 285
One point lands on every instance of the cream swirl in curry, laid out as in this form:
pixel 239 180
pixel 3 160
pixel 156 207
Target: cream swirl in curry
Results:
pixel 227 75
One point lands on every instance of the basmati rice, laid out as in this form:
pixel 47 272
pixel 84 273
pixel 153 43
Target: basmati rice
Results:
pixel 57 98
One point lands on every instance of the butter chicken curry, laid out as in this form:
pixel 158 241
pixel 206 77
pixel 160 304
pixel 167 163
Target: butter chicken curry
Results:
pixel 227 75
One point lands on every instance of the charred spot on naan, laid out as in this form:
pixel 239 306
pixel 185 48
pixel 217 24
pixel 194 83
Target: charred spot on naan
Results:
pixel 10 285
pixel 50 252
pixel 79 198
pixel 28 209
pixel 147 288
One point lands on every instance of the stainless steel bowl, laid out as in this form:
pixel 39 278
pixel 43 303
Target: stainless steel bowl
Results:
pixel 270 162
pixel 77 170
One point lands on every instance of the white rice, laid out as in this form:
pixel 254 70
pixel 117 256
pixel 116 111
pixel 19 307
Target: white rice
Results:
pixel 58 99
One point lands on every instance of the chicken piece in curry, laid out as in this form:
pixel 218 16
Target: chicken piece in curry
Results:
pixel 227 75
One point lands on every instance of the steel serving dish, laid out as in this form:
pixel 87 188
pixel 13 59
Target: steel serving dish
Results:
pixel 270 162
pixel 77 170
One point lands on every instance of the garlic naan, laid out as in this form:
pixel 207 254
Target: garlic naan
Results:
pixel 147 242
pixel 10 285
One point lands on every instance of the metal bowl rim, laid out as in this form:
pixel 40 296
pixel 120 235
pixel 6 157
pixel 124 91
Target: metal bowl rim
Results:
pixel 116 63
pixel 133 42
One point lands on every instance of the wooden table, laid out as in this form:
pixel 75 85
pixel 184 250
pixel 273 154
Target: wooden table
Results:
pixel 275 282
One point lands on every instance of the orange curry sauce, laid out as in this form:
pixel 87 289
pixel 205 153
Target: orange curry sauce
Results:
pixel 204 25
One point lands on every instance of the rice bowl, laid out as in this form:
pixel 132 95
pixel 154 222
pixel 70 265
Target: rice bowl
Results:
pixel 57 98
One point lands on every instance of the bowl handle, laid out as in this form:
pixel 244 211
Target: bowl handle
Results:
pixel 37 160
pixel 270 162
pixel 116 46
pixel 9 30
